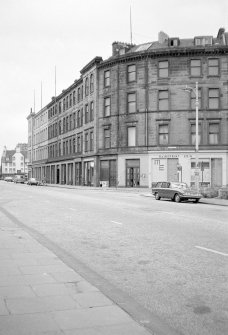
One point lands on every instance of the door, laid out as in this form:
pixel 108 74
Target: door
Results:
pixel 172 174
pixel 132 172
pixel 216 172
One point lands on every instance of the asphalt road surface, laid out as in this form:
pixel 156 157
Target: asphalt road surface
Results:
pixel 164 261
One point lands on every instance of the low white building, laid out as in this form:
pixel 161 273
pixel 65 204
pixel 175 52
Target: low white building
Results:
pixel 14 162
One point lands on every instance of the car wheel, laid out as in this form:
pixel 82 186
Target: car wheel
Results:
pixel 157 196
pixel 196 201
pixel 177 198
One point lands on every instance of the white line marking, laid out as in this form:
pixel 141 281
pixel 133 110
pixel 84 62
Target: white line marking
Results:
pixel 211 250
pixel 116 222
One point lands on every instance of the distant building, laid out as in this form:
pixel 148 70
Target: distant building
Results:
pixel 14 162
pixel 128 121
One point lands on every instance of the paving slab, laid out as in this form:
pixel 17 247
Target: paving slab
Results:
pixel 85 318
pixel 92 299
pixel 27 324
pixel 122 329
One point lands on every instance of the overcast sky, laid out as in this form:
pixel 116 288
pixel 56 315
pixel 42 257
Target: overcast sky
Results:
pixel 37 35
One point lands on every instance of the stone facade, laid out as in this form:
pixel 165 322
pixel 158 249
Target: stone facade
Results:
pixel 143 127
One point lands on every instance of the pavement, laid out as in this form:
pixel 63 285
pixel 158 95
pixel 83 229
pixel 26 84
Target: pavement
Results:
pixel 141 191
pixel 41 295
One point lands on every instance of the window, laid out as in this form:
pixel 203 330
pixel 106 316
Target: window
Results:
pixel 107 141
pixel 131 73
pixel 71 126
pixel 86 87
pixel 204 40
pixel 107 106
pixel 91 111
pixel 64 104
pixel 74 98
pixel 70 100
pixel 131 136
pixel 193 134
pixel 59 107
pixel 91 140
pixel 163 134
pixel 213 133
pixel 195 68
pixel 213 67
pixel 79 118
pixel 79 94
pixel 86 113
pixel 74 120
pixel 213 96
pixel 131 103
pixel 67 104
pixel 163 100
pixel 91 83
pixel 163 69
pixel 193 99
pixel 86 141
pixel 74 146
pixel 107 78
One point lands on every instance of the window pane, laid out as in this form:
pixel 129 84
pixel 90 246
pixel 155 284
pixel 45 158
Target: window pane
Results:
pixel 131 73
pixel 163 69
pixel 131 136
pixel 107 107
pixel 131 103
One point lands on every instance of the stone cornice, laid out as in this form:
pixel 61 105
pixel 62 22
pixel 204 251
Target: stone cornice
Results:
pixel 214 50
pixel 96 60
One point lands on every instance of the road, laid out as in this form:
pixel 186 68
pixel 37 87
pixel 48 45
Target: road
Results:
pixel 169 258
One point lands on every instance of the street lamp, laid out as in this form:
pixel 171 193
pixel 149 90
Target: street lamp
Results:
pixel 196 92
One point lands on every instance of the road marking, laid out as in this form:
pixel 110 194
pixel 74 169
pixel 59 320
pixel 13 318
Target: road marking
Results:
pixel 211 250
pixel 116 222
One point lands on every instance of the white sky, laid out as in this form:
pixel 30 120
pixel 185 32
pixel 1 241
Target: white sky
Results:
pixel 37 35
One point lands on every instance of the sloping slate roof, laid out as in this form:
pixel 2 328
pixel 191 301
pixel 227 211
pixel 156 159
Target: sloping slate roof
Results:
pixel 8 156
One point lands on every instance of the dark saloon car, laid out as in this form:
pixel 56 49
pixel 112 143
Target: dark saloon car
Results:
pixel 33 181
pixel 175 191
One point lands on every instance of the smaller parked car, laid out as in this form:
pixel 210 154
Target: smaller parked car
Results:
pixel 175 191
pixel 19 180
pixel 8 179
pixel 33 181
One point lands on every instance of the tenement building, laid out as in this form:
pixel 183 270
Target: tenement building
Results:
pixel 131 120
pixel 14 162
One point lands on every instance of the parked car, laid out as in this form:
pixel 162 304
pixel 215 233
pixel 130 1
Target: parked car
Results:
pixel 175 191
pixel 8 179
pixel 33 181
pixel 19 180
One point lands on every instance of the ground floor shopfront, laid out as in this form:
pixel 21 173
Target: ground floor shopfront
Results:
pixel 137 170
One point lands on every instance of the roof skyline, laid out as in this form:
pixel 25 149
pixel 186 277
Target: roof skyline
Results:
pixel 39 36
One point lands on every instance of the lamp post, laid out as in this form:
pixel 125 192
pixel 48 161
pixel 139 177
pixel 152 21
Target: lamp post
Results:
pixel 196 92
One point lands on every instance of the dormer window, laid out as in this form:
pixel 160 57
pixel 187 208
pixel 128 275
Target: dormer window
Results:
pixel 204 40
pixel 174 42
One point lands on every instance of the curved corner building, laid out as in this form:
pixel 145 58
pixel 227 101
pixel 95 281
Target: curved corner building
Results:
pixel 130 120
